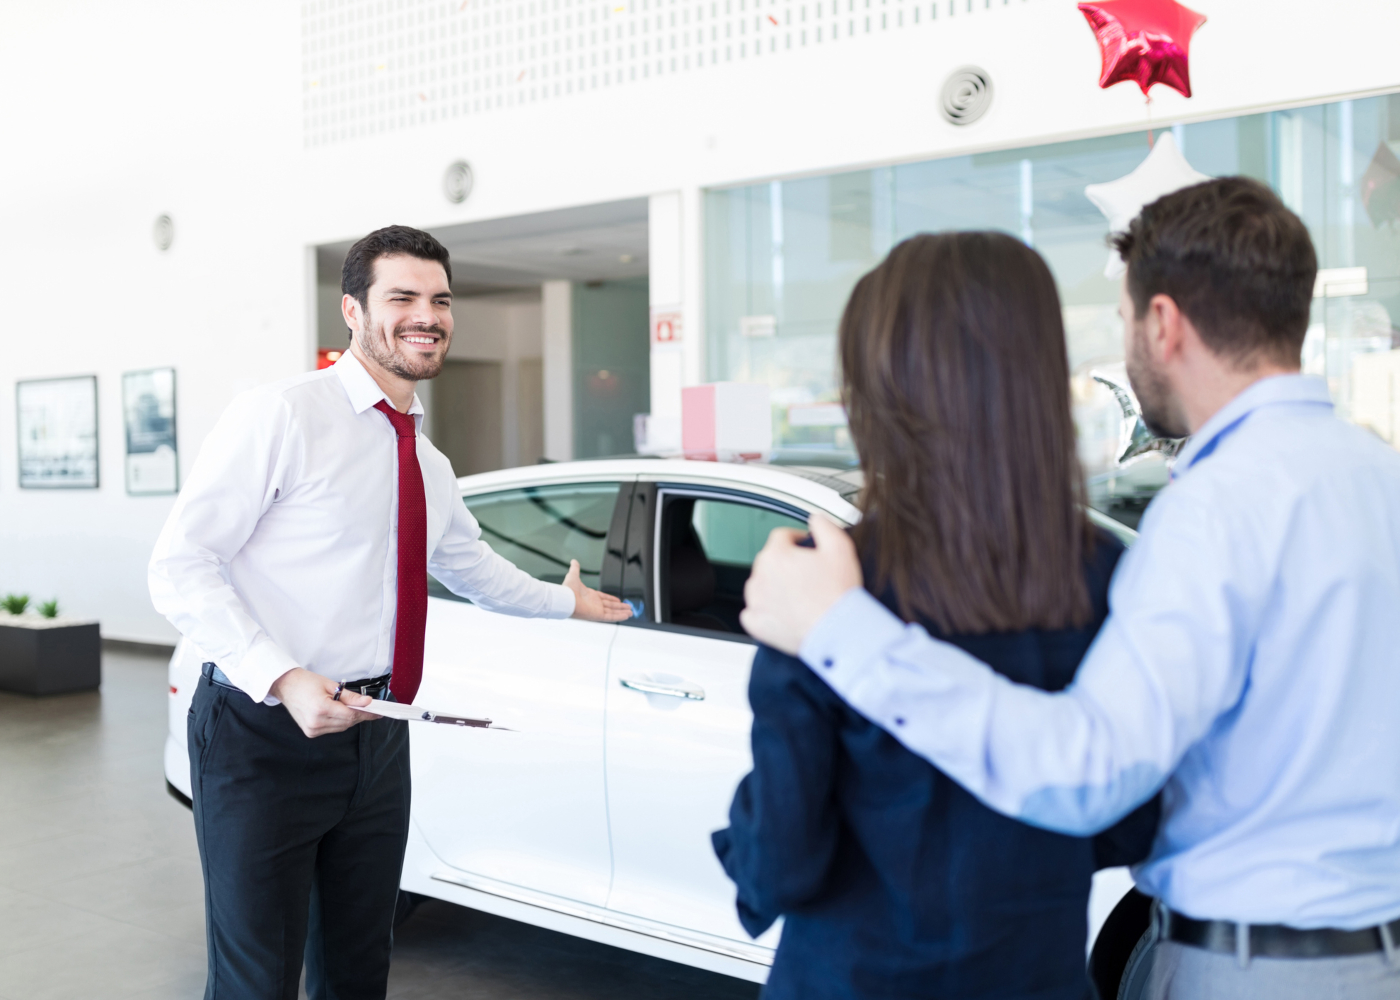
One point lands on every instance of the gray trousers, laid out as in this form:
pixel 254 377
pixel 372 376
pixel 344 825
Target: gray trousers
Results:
pixel 1166 970
pixel 1183 972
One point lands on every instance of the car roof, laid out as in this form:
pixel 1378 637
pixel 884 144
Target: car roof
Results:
pixel 823 488
pixel 828 490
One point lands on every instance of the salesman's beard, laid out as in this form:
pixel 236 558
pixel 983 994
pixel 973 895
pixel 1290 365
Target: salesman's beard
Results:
pixel 1161 410
pixel 414 368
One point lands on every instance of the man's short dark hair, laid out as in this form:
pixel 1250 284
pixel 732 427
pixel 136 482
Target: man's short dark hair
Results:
pixel 1237 263
pixel 391 241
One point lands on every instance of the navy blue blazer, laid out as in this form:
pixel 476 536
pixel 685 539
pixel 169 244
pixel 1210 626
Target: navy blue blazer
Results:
pixel 893 881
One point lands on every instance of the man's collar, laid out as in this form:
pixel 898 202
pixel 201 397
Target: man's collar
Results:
pixel 361 387
pixel 1266 392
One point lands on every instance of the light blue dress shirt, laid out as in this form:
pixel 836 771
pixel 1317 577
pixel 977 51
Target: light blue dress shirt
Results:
pixel 1250 667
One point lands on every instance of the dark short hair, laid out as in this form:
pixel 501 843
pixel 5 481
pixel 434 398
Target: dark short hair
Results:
pixel 956 383
pixel 391 241
pixel 1238 264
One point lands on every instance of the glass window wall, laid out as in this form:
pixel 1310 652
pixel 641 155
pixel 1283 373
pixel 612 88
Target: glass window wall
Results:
pixel 781 258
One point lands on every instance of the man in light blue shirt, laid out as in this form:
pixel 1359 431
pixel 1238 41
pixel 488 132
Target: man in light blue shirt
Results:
pixel 1250 667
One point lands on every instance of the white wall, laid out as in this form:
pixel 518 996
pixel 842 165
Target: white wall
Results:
pixel 226 116
pixel 129 111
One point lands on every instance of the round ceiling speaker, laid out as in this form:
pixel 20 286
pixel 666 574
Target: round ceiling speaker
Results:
pixel 163 232
pixel 966 96
pixel 457 182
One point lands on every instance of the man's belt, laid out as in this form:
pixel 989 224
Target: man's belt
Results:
pixel 1278 941
pixel 375 687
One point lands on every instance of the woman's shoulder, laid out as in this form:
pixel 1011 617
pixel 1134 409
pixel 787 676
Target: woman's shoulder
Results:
pixel 783 684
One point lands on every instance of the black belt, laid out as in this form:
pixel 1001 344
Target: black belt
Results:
pixel 375 687
pixel 1278 941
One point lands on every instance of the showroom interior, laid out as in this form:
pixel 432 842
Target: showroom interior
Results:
pixel 639 198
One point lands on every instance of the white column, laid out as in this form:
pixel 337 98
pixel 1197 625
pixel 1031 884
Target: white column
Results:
pixel 558 355
pixel 676 353
pixel 693 283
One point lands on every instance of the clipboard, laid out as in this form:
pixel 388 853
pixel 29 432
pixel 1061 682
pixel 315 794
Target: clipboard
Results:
pixel 412 713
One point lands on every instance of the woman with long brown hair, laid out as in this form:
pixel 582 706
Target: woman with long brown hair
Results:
pixel 893 881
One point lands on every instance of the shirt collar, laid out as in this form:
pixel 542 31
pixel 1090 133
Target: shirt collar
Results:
pixel 361 387
pixel 1266 392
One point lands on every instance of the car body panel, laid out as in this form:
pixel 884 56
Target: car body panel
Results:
pixel 673 765
pixel 594 817
pixel 526 807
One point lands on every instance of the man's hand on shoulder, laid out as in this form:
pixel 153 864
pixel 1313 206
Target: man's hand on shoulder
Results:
pixel 310 698
pixel 792 586
pixel 594 605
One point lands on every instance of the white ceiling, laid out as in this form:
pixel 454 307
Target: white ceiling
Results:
pixel 590 243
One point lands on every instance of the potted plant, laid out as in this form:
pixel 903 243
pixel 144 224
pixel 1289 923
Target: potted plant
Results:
pixel 43 652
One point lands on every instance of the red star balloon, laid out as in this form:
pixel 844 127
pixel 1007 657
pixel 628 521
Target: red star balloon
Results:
pixel 1147 41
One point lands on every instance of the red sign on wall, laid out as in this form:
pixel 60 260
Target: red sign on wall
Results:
pixel 666 326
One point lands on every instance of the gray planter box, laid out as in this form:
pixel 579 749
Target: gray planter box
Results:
pixel 49 657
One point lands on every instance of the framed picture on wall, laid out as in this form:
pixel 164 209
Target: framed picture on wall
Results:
pixel 148 405
pixel 57 423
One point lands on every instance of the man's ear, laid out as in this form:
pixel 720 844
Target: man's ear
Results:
pixel 352 314
pixel 1167 328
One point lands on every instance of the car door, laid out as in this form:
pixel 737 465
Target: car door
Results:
pixel 524 808
pixel 677 701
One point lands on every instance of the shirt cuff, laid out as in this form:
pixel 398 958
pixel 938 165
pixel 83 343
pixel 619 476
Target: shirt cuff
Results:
pixel 850 638
pixel 258 668
pixel 561 602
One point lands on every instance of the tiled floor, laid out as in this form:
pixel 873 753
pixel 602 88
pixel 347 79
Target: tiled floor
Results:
pixel 100 891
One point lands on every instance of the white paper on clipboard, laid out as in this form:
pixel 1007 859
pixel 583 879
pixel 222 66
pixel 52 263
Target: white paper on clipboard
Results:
pixel 414 713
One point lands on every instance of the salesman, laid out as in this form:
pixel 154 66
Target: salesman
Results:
pixel 1251 660
pixel 296 557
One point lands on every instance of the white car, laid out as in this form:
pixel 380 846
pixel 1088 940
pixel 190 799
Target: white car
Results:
pixel 594 816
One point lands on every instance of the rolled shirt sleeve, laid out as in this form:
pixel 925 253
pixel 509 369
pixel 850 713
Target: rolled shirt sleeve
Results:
pixel 1169 660
pixel 468 566
pixel 234 481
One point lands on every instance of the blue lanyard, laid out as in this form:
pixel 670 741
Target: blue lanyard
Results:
pixel 1214 442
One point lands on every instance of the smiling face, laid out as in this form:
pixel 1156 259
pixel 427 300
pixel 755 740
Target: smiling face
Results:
pixel 406 326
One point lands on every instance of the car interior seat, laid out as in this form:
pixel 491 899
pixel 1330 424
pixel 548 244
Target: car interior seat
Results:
pixel 691 577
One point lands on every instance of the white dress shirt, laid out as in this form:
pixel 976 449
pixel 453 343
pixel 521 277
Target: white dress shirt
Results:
pixel 1250 666
pixel 282 547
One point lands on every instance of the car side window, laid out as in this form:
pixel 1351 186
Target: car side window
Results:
pixel 708 545
pixel 541 528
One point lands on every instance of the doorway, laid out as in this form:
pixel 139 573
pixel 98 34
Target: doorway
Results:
pixel 467 416
pixel 489 408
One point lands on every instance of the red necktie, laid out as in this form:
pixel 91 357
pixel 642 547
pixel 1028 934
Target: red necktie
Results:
pixel 412 613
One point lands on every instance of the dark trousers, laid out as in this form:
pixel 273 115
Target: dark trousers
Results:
pixel 302 843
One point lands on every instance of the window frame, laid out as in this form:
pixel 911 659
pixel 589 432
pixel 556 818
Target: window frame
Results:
pixel 653 556
pixel 624 495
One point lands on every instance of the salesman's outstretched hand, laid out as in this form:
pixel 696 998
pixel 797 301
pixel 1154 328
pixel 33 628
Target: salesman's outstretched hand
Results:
pixel 594 605
pixel 792 587
pixel 310 698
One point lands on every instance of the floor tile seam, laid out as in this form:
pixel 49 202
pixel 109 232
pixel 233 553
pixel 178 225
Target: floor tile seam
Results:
pixel 203 972
pixel 88 875
pixel 135 926
pixel 118 921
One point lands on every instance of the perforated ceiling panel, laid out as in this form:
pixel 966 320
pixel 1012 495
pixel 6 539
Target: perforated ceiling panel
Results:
pixel 372 66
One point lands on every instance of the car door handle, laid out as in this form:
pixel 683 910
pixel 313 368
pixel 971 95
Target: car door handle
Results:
pixel 646 686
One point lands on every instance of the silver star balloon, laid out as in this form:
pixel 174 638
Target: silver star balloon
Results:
pixel 1136 439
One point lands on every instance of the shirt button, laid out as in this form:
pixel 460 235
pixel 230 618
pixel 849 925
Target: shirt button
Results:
pixel 828 663
pixel 898 721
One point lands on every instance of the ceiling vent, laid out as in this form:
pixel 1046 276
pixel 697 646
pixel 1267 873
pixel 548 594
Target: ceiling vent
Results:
pixel 966 96
pixel 457 182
